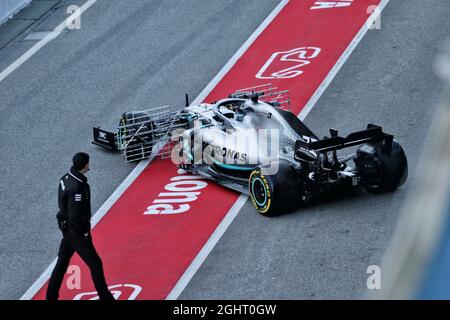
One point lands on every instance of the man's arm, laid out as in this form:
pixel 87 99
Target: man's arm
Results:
pixel 62 215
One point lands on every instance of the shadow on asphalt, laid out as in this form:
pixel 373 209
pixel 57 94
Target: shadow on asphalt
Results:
pixel 330 198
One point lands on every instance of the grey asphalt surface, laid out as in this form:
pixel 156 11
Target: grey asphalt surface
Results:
pixel 136 54
pixel 322 252
pixel 127 55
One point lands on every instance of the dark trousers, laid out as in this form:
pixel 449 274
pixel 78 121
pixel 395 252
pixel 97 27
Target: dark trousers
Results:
pixel 81 244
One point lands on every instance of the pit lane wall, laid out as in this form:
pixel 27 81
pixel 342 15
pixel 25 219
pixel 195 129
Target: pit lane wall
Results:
pixel 8 8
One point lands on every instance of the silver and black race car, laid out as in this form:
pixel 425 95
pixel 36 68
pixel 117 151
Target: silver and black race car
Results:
pixel 251 142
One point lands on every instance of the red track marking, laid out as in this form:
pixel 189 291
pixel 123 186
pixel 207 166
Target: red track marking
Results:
pixel 153 251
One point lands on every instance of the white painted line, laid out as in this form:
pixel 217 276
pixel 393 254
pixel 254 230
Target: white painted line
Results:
pixel 240 52
pixel 60 28
pixel 207 248
pixel 342 60
pixel 232 213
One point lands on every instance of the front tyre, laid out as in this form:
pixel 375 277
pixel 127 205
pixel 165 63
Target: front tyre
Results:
pixel 274 193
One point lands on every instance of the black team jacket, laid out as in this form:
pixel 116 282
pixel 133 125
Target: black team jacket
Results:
pixel 74 200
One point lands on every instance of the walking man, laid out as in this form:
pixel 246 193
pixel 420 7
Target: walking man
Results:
pixel 74 220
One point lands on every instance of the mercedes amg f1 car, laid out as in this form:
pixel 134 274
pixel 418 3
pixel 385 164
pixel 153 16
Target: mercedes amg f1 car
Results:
pixel 273 156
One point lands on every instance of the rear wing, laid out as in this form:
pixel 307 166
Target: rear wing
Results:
pixel 373 134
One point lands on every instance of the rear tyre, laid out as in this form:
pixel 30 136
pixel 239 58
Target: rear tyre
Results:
pixel 272 194
pixel 140 147
pixel 381 171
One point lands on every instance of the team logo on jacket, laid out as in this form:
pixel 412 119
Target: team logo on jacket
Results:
pixel 287 64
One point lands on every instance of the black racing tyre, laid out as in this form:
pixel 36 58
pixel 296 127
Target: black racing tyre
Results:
pixel 380 171
pixel 273 194
pixel 126 128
